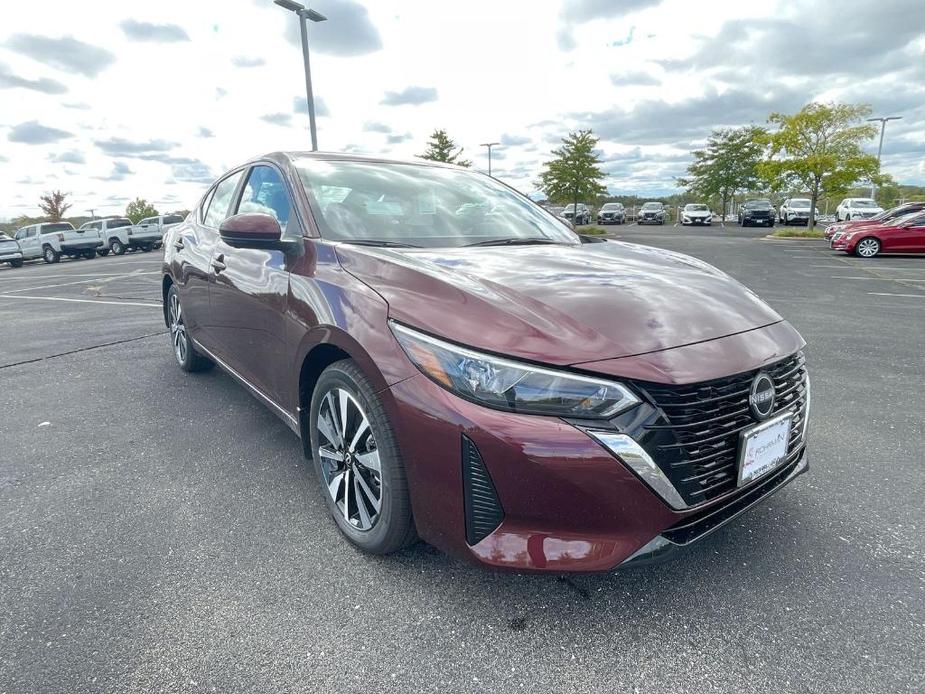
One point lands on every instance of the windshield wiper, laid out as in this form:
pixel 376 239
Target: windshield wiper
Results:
pixel 379 242
pixel 523 241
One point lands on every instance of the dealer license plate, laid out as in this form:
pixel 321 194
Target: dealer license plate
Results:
pixel 762 448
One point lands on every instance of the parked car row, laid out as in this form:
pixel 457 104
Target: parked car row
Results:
pixel 116 235
pixel 898 230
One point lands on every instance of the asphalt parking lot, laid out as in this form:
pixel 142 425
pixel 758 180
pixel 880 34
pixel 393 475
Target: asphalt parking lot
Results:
pixel 161 532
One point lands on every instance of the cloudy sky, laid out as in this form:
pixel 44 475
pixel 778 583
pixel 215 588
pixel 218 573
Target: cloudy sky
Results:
pixel 156 99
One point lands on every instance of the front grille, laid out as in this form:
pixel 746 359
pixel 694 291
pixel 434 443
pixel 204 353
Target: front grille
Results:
pixel 482 506
pixel 696 441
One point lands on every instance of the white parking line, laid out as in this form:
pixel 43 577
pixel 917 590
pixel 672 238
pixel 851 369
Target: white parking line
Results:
pixel 108 278
pixel 79 301
pixel 882 279
pixel 911 296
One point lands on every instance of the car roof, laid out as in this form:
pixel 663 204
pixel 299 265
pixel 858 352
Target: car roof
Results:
pixel 282 157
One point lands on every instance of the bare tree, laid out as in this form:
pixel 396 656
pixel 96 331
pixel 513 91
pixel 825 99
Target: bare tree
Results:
pixel 54 206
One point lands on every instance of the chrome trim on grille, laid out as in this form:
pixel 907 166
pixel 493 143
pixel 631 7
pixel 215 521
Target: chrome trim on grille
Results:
pixel 631 453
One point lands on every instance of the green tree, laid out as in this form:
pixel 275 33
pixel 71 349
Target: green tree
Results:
pixel 573 174
pixel 54 206
pixel 441 147
pixel 138 209
pixel 819 149
pixel 728 164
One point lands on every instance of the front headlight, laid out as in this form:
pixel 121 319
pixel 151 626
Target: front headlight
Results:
pixel 510 385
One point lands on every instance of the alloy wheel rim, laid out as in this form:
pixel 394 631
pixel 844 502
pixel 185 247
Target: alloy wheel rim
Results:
pixel 178 329
pixel 349 459
pixel 867 248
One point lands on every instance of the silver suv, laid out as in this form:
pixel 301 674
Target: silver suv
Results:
pixel 51 240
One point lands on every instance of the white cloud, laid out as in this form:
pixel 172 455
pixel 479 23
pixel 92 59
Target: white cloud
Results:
pixel 650 76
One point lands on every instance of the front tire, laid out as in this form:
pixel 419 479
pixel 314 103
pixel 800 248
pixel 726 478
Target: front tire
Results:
pixel 188 358
pixel 103 252
pixel 867 247
pixel 358 463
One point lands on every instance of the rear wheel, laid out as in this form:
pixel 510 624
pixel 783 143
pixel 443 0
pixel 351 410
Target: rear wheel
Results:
pixel 357 461
pixel 50 255
pixel 867 248
pixel 116 246
pixel 103 251
pixel 16 263
pixel 186 354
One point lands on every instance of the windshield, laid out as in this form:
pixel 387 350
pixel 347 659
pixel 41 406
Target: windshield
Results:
pixel 799 202
pixel 612 206
pixel 899 221
pixel 758 203
pixel 652 206
pixel 424 206
pixel 173 219
pixel 696 208
pixel 57 226
pixel 863 203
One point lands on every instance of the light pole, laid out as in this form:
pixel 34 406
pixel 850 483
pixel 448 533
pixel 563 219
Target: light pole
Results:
pixel 92 215
pixel 305 14
pixel 489 145
pixel 882 122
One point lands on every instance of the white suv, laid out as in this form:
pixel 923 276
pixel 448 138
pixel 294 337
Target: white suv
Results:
pixel 51 240
pixel 796 210
pixel 856 208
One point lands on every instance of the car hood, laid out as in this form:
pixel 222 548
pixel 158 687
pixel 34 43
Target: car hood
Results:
pixel 559 304
pixel 695 213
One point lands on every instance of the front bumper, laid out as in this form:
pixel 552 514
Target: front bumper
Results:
pixel 691 530
pixel 569 505
pixel 696 220
pixel 7 257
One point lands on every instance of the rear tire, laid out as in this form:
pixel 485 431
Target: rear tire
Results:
pixel 115 245
pixel 50 255
pixel 188 358
pixel 16 263
pixel 103 252
pixel 349 480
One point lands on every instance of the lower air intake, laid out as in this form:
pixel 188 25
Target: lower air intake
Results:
pixel 483 509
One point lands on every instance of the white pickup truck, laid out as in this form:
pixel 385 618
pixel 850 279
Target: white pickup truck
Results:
pixel 120 235
pixel 157 226
pixel 51 240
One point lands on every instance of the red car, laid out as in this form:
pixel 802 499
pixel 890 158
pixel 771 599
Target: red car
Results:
pixel 883 217
pixel 903 235
pixel 463 368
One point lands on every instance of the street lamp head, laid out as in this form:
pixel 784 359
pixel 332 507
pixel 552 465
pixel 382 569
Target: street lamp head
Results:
pixel 489 144
pixel 314 16
pixel 290 5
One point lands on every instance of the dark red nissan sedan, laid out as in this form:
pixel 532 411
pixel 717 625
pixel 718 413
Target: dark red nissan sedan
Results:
pixel 463 368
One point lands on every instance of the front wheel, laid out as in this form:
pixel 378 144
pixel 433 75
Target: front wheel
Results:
pixel 867 248
pixel 89 255
pixel 188 358
pixel 357 461
pixel 103 252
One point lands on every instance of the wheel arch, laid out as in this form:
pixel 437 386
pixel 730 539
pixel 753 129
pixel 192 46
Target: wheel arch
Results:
pixel 320 348
pixel 166 284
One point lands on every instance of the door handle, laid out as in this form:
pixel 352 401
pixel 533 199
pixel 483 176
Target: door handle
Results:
pixel 217 263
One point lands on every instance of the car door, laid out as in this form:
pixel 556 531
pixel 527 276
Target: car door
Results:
pixel 192 246
pixel 909 239
pixel 250 287
pixel 31 242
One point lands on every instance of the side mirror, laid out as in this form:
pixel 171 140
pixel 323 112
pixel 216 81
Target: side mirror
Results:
pixel 254 230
